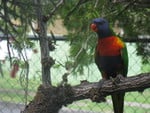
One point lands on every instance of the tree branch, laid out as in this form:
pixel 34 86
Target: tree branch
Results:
pixel 51 99
pixel 80 2
pixel 49 16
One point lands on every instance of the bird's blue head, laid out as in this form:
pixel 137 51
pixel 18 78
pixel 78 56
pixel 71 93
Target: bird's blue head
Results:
pixel 101 27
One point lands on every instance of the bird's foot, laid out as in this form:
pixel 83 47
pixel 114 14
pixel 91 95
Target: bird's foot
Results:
pixel 114 81
pixel 96 95
pixel 120 77
pixel 117 79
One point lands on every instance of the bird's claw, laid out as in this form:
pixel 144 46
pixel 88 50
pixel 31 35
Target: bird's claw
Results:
pixel 114 81
pixel 117 79
pixel 120 77
pixel 95 94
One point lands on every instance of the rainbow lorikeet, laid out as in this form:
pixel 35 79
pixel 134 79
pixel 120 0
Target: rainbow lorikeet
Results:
pixel 111 57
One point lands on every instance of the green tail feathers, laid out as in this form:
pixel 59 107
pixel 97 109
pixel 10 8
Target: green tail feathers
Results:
pixel 124 54
pixel 118 102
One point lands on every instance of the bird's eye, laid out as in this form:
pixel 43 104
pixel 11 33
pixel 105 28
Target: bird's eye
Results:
pixel 100 23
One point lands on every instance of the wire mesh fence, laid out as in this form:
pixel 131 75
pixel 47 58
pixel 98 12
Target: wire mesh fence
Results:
pixel 18 90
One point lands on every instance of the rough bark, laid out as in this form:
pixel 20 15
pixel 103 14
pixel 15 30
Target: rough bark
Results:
pixel 51 99
pixel 45 58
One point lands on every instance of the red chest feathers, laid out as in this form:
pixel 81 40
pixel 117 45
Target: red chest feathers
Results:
pixel 110 46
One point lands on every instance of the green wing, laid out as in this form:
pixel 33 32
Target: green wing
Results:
pixel 124 55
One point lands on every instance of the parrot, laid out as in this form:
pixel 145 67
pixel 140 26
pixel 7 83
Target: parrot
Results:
pixel 111 57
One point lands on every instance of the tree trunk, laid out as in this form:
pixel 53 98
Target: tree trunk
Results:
pixel 51 99
pixel 44 44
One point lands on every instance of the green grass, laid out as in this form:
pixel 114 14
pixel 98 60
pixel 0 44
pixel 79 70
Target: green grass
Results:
pixel 14 83
pixel 13 97
pixel 138 97
pixel 135 110
pixel 146 67
pixel 12 90
pixel 87 105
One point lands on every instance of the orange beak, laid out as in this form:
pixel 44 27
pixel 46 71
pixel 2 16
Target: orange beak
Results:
pixel 94 27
